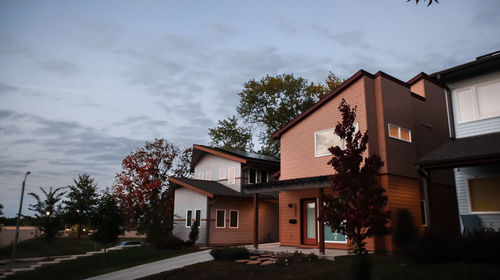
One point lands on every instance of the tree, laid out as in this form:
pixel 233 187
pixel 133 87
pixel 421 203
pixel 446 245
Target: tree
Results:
pixel 231 136
pixel 357 207
pixel 82 198
pixel 1 218
pixel 141 189
pixel 266 106
pixel 107 220
pixel 195 231
pixel 183 169
pixel 48 212
pixel 428 4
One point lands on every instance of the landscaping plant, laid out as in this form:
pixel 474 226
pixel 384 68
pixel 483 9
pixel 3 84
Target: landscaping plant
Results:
pixel 230 253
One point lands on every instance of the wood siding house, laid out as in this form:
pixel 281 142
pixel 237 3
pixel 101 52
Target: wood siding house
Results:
pixel 404 120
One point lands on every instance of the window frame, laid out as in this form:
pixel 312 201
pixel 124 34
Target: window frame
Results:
pixel 220 174
pixel 267 176
pixel 206 175
pixel 332 241
pixel 217 218
pixel 237 218
pixel 341 144
pixel 469 197
pixel 190 220
pixel 475 101
pixel 201 176
pixel 196 218
pixel 399 133
pixel 229 177
pixel 250 175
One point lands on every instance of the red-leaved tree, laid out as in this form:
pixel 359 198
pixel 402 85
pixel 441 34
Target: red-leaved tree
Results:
pixel 357 208
pixel 142 192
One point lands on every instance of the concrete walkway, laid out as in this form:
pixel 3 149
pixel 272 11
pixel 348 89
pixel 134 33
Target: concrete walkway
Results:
pixel 156 267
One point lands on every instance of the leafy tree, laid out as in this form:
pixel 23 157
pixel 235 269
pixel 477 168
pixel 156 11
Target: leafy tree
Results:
pixel 183 169
pixel 269 104
pixel 229 135
pixel 141 189
pixel 195 231
pixel 1 218
pixel 357 208
pixel 82 198
pixel 107 220
pixel 48 212
pixel 428 4
pixel 1 207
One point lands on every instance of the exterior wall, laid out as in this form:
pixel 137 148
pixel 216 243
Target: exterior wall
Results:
pixel 419 88
pixel 297 144
pixel 268 221
pixel 478 127
pixel 185 199
pixel 461 175
pixel 213 163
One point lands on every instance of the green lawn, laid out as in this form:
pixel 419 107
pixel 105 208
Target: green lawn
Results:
pixel 99 264
pixel 385 267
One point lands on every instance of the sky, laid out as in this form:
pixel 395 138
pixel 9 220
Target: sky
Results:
pixel 84 83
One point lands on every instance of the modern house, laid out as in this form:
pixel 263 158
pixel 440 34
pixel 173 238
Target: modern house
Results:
pixel 473 99
pixel 404 120
pixel 214 198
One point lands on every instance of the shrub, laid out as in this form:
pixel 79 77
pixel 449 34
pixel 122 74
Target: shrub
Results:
pixel 230 253
pixel 171 242
pixel 296 257
pixel 405 232
pixel 480 246
pixel 193 235
pixel 431 247
pixel 360 267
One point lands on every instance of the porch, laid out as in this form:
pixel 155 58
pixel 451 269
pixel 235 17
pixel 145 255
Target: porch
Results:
pixel 273 248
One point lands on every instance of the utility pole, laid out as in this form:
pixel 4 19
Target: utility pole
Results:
pixel 18 218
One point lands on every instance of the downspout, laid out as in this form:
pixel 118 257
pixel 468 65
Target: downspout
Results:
pixel 425 185
pixel 449 113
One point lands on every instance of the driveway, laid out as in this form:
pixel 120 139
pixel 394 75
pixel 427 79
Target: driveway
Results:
pixel 156 267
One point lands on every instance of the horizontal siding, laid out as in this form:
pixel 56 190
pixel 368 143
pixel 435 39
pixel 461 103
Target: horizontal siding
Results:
pixel 461 176
pixel 214 163
pixel 187 199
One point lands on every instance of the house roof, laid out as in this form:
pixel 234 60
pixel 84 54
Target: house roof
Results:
pixel 482 64
pixel 291 184
pixel 345 85
pixel 205 187
pixel 239 156
pixel 463 152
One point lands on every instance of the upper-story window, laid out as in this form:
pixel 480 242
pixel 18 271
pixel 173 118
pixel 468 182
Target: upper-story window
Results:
pixel 399 133
pixel 263 176
pixel 222 174
pixel 208 175
pixel 327 138
pixel 252 178
pixel 232 175
pixel 201 176
pixel 478 102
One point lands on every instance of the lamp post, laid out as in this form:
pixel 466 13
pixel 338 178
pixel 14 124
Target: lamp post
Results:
pixel 19 217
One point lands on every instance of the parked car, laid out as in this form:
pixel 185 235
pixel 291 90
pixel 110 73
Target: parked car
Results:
pixel 127 244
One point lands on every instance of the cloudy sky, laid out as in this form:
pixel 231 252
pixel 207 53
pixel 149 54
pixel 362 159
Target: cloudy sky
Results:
pixel 82 84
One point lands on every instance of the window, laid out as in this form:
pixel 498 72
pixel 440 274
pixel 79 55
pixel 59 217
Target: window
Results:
pixel 189 217
pixel 220 219
pixel 252 178
pixel 198 217
pixel 263 176
pixel 234 218
pixel 208 175
pixel 222 174
pixel 399 133
pixel 232 176
pixel 327 138
pixel 334 236
pixel 423 212
pixel 201 176
pixel 478 102
pixel 484 194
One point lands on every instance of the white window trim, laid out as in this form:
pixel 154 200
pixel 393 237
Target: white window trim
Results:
pixel 475 104
pixel 470 202
pixel 228 173
pixel 211 175
pixel 199 225
pixel 399 132
pixel 342 143
pixel 186 223
pixel 217 215
pixel 220 174
pixel 237 219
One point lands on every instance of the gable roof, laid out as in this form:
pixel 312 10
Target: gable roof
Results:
pixel 239 156
pixel 341 88
pixel 208 188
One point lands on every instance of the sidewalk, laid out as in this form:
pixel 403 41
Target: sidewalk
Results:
pixel 156 267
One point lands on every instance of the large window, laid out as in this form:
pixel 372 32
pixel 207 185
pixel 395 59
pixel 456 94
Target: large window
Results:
pixel 232 175
pixel 252 178
pixel 234 218
pixel 478 102
pixel 222 174
pixel 327 138
pixel 334 236
pixel 208 175
pixel 399 133
pixel 484 194
pixel 220 219
pixel 189 217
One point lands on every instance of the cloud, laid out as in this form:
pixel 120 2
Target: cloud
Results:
pixel 101 35
pixel 60 67
pixel 350 38
pixel 6 88
pixel 487 13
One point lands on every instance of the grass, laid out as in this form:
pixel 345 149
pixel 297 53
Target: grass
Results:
pixel 99 264
pixel 384 267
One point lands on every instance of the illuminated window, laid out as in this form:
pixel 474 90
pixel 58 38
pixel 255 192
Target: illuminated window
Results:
pixel 484 194
pixel 399 133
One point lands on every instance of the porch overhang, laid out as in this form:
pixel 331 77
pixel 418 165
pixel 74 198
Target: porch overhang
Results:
pixel 291 184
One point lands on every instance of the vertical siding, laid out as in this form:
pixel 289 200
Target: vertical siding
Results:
pixel 461 176
pixel 188 199
pixel 478 127
pixel 268 221
pixel 214 163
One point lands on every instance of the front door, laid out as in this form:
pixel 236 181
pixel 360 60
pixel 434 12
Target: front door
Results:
pixel 309 222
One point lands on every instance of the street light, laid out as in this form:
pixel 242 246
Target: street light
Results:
pixel 19 217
